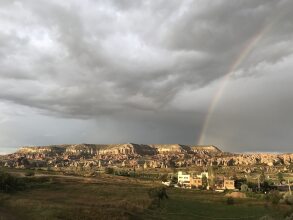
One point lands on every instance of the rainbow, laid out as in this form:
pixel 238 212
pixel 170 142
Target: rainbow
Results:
pixel 224 82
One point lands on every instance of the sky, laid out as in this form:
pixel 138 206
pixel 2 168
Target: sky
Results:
pixel 165 71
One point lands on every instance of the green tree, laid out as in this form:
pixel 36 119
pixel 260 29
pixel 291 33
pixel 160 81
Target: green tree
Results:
pixel 262 177
pixel 212 175
pixel 244 188
pixel 280 177
pixel 204 182
pixel 158 194
pixel 230 201
pixel 29 173
pixel 174 180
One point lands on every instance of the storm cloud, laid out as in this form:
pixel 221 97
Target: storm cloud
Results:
pixel 146 72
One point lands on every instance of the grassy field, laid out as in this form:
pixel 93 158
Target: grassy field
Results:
pixel 78 198
pixel 190 204
pixel 113 197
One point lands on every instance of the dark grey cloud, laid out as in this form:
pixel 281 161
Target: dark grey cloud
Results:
pixel 136 60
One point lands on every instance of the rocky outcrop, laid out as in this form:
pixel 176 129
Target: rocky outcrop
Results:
pixel 139 156
pixel 206 148
pixel 130 148
pixel 170 148
pixel 54 149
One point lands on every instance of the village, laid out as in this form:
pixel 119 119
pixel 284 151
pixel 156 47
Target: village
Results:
pixel 210 181
pixel 202 181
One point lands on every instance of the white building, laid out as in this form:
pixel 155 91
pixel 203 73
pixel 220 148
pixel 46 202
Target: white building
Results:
pixel 183 178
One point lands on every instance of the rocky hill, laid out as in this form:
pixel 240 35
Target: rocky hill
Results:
pixel 115 149
pixel 137 155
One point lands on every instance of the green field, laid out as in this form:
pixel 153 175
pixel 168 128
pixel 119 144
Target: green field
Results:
pixel 113 197
pixel 189 204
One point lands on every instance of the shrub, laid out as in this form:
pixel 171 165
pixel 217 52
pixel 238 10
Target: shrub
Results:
pixel 288 198
pixel 244 188
pixel 109 170
pixel 164 177
pixel 280 177
pixel 9 183
pixel 29 173
pixel 288 215
pixel 274 196
pixel 230 201
pixel 174 180
pixel 158 194
pixel 266 217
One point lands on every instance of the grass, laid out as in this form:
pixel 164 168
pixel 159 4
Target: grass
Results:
pixel 115 197
pixel 189 204
pixel 78 198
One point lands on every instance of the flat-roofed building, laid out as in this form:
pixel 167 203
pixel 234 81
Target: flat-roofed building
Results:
pixel 196 182
pixel 229 184
pixel 184 179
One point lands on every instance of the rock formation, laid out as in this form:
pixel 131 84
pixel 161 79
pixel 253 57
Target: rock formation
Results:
pixel 141 156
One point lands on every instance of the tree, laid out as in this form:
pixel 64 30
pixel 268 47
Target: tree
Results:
pixel 244 188
pixel 280 177
pixel 274 197
pixel 204 181
pixel 211 173
pixel 174 180
pixel 262 177
pixel 164 177
pixel 239 182
pixel 230 201
pixel 29 173
pixel 158 194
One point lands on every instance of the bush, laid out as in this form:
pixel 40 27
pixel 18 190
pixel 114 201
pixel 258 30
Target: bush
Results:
pixel 256 195
pixel 164 177
pixel 109 170
pixel 266 217
pixel 158 194
pixel 288 215
pixel 288 199
pixel 244 188
pixel 29 173
pixel 174 180
pixel 230 201
pixel 274 197
pixel 9 183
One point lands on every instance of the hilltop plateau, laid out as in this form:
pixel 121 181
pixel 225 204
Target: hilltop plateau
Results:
pixel 137 156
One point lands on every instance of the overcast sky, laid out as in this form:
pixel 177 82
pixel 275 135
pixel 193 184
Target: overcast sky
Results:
pixel 146 72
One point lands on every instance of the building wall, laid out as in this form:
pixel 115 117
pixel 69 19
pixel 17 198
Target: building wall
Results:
pixel 183 177
pixel 196 182
pixel 229 184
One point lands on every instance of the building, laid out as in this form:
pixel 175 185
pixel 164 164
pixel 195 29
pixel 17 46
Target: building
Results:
pixel 187 181
pixel 184 179
pixel 229 184
pixel 196 182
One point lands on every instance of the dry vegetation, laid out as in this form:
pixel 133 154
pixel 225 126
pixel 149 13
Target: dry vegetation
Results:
pixel 114 197
pixel 78 198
